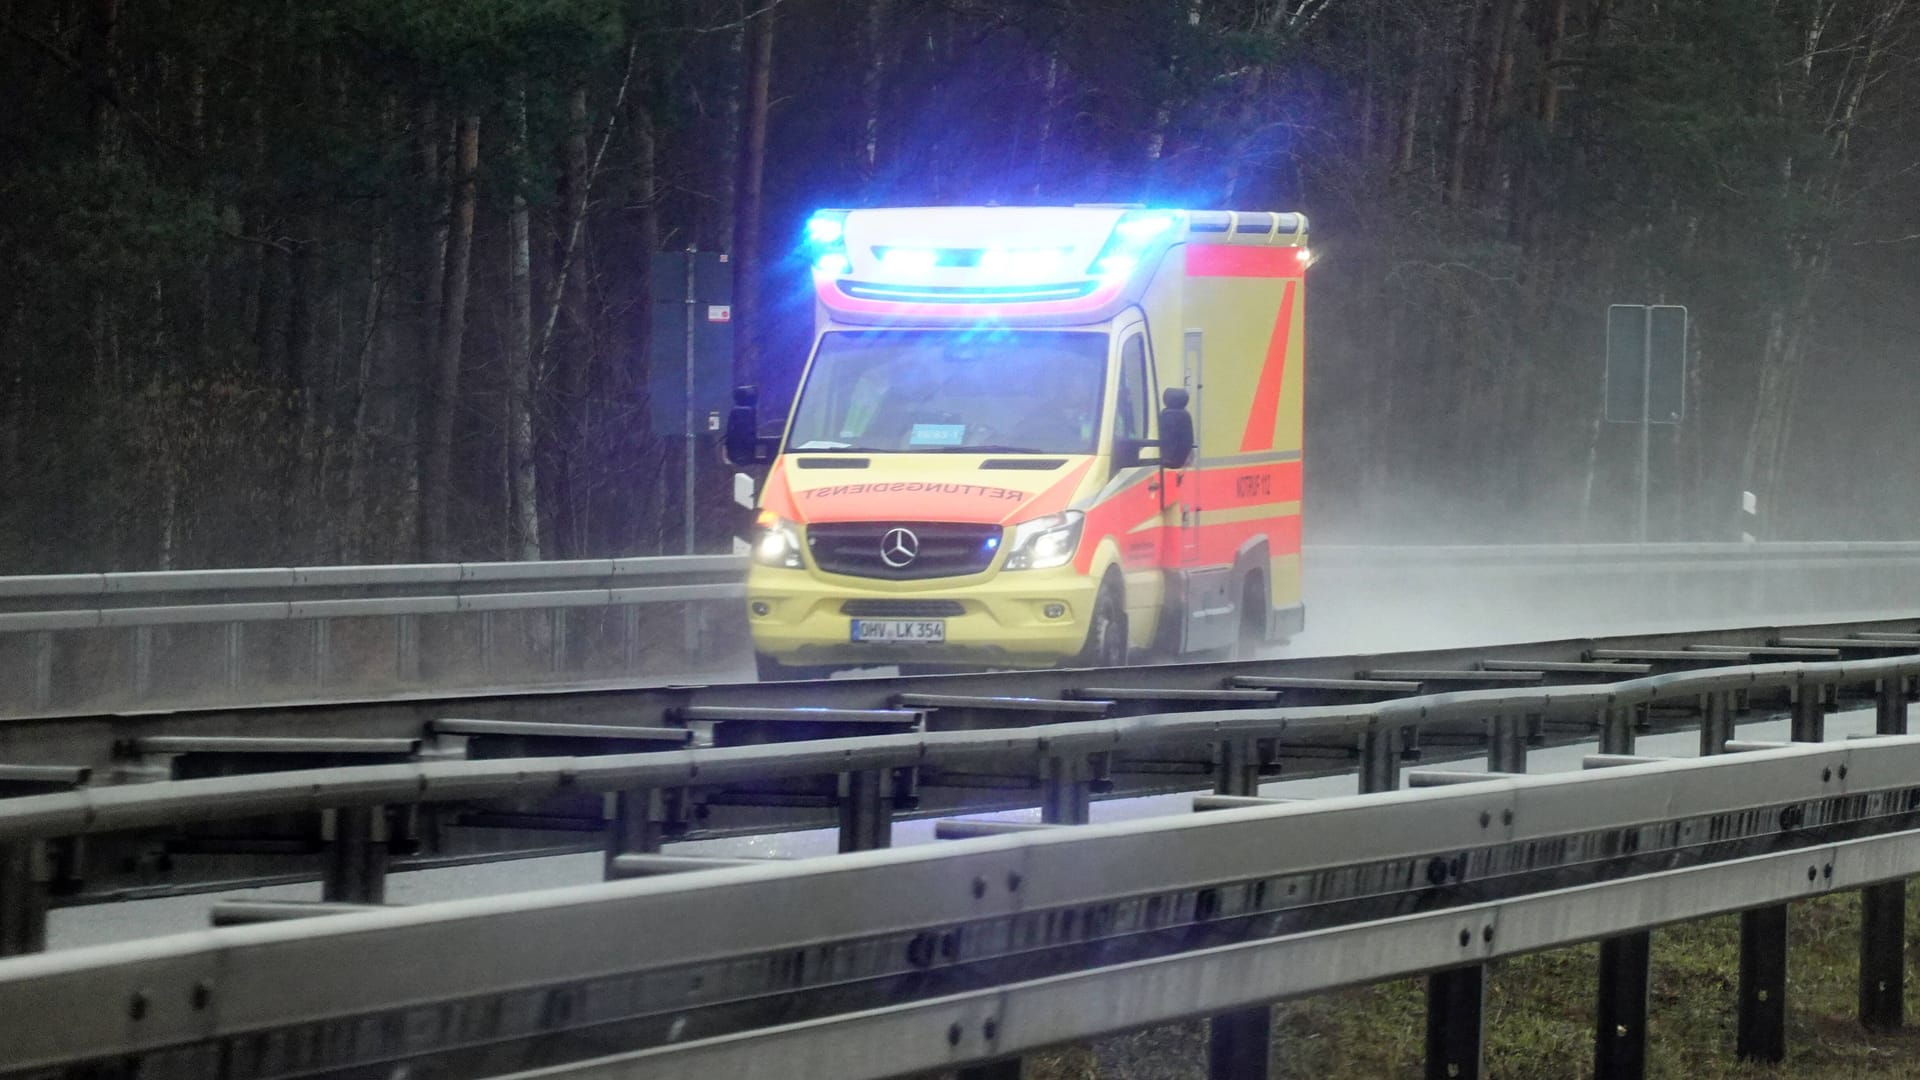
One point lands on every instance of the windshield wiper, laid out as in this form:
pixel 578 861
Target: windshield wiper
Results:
pixel 985 448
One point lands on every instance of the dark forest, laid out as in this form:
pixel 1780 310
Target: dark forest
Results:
pixel 372 280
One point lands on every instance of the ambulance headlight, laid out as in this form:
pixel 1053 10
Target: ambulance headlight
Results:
pixel 1045 542
pixel 776 542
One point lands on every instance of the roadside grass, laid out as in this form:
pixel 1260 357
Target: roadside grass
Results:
pixel 1540 1015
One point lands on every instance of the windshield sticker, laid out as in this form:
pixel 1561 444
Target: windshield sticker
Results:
pixel 937 435
pixel 913 487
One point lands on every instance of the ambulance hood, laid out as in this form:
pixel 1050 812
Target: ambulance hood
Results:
pixel 973 488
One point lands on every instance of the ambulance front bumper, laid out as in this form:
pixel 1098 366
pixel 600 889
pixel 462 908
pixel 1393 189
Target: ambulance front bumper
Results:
pixel 1019 618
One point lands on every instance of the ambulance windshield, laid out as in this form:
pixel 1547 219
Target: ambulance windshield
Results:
pixel 953 391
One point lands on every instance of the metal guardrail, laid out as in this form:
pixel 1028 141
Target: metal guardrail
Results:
pixel 1057 751
pixel 885 963
pixel 1325 733
pixel 36 589
pixel 184 636
pixel 45 625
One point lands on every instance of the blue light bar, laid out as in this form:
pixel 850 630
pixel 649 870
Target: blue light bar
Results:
pixel 827 242
pixel 1133 234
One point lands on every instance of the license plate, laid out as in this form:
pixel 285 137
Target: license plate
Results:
pixel 900 631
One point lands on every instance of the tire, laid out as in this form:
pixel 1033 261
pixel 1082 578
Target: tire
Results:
pixel 770 670
pixel 1107 630
pixel 1252 640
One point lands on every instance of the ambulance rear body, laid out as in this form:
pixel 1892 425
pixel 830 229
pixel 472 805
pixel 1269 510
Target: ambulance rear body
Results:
pixel 971 472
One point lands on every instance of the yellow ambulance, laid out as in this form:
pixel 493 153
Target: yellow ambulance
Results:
pixel 1033 436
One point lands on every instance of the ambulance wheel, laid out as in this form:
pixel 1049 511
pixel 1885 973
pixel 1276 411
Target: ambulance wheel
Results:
pixel 1107 630
pixel 771 670
pixel 1253 618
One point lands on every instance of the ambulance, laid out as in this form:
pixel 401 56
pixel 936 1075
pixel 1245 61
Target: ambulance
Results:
pixel 1034 436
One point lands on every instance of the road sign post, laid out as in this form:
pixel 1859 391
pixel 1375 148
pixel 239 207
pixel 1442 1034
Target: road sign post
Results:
pixel 1646 377
pixel 689 371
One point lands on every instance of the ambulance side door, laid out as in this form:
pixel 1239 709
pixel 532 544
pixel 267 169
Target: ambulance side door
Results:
pixel 1136 419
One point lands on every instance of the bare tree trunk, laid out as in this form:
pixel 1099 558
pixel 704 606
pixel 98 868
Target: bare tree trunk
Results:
pixel 437 477
pixel 352 546
pixel 1552 51
pixel 1163 110
pixel 415 416
pixel 1499 93
pixel 1463 105
pixel 1410 111
pixel 564 512
pixel 101 56
pixel 746 202
pixel 875 44
pixel 628 443
pixel 1044 119
pixel 524 483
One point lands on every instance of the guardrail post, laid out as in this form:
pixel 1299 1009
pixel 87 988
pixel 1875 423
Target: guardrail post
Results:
pixel 1761 1028
pixel 236 655
pixel 356 866
pixel 1620 1037
pixel 1716 723
pixel 638 824
pixel 1883 907
pixel 40 658
pixel 1236 767
pixel 142 661
pixel 1456 1022
pixel 486 644
pixel 406 648
pixel 1507 744
pixel 322 651
pixel 24 876
pixel 557 640
pixel 1240 1042
pixel 1883 956
pixel 1616 729
pixel 1066 792
pixel 630 639
pixel 866 810
pixel 1890 707
pixel 1809 714
pixel 1380 760
pixel 1625 967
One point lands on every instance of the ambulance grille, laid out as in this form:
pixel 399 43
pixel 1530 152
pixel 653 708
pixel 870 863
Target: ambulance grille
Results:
pixel 942 549
pixel 903 609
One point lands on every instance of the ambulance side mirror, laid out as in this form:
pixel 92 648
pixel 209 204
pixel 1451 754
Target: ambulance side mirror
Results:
pixel 742 444
pixel 1176 429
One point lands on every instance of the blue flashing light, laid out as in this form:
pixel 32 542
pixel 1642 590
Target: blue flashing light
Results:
pixel 826 228
pixel 1143 228
pixel 1133 235
pixel 827 242
pixel 1023 262
pixel 993 542
pixel 909 261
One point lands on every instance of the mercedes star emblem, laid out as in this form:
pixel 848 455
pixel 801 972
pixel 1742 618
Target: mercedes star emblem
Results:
pixel 899 547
